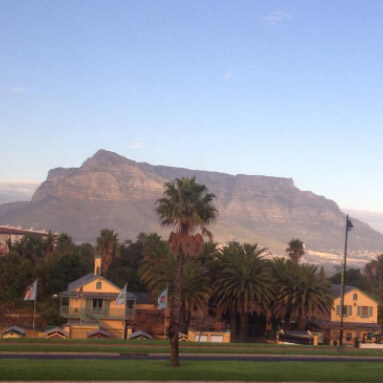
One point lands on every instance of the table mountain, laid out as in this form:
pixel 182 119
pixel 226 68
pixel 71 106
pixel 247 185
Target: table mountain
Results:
pixel 110 191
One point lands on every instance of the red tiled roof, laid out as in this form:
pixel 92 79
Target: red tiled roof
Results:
pixel 12 231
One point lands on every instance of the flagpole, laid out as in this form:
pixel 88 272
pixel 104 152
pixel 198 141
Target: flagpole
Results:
pixel 167 299
pixel 34 315
pixel 124 325
pixel 34 309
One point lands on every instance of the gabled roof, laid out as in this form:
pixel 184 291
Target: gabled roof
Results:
pixel 140 334
pixel 16 329
pixel 337 291
pixel 98 331
pixel 82 281
pixel 87 279
pixel 57 329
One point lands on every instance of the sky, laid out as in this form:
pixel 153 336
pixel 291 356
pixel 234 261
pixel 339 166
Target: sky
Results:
pixel 280 88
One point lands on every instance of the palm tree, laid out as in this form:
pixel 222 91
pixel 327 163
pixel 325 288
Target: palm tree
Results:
pixel 300 292
pixel 374 269
pixel 295 250
pixel 243 285
pixel 108 248
pixel 157 272
pixel 187 207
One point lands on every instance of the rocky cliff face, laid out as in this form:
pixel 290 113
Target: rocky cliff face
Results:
pixel 112 191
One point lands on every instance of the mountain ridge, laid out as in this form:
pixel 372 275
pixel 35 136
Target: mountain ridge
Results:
pixel 109 190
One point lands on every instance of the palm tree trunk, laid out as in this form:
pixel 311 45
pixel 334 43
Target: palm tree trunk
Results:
pixel 233 325
pixel 243 333
pixel 301 323
pixel 176 312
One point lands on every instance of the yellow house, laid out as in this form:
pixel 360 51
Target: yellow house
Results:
pixel 209 336
pixel 360 316
pixel 89 304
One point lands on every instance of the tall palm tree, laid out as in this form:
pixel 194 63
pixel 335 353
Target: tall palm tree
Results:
pixel 108 248
pixel 295 250
pixel 187 207
pixel 300 292
pixel 243 285
pixel 374 270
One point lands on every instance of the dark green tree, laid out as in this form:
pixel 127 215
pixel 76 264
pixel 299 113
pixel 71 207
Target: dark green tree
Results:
pixel 243 284
pixel 295 250
pixel 300 292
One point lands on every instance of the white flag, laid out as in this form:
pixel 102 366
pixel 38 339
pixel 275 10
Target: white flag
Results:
pixel 121 299
pixel 30 295
pixel 163 300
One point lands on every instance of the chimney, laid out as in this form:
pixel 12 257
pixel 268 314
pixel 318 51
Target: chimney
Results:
pixel 97 265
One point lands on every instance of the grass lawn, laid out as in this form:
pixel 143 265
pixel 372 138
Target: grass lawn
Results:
pixel 23 369
pixel 192 348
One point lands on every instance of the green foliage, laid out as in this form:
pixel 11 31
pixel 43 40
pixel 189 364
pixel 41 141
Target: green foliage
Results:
pixel 353 277
pixel 299 291
pixel 243 282
pixel 296 250
pixel 186 206
pixel 158 268
pixel 53 266
pixel 109 249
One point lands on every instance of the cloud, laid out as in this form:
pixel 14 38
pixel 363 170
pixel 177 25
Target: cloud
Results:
pixel 276 17
pixel 137 145
pixel 18 90
pixel 17 190
pixel 20 185
pixel 229 75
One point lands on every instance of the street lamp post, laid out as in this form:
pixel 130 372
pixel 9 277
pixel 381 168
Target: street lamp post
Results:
pixel 349 226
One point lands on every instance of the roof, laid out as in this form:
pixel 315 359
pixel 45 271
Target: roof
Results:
pixel 57 329
pixel 87 279
pixel 17 329
pixel 98 331
pixel 82 281
pixel 328 323
pixel 337 290
pixel 96 294
pixel 139 334
pixel 143 298
pixel 16 231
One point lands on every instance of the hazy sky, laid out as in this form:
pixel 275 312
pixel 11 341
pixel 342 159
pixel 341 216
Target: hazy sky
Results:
pixel 281 88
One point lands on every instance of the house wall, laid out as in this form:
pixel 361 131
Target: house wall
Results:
pixel 209 336
pixel 106 287
pixel 12 335
pixel 362 300
pixel 79 332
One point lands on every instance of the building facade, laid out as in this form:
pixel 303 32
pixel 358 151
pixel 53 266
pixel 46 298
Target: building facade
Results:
pixel 360 317
pixel 89 304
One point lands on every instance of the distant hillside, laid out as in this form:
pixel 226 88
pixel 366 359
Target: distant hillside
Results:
pixel 374 219
pixel 111 191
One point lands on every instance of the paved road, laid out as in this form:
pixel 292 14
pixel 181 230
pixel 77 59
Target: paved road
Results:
pixel 116 356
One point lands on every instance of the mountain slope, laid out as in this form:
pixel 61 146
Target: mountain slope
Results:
pixel 111 191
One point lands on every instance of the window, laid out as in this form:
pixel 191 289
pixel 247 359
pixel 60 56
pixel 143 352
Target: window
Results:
pixel 355 297
pixel 97 303
pixel 348 336
pixel 347 310
pixel 98 285
pixel 365 311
